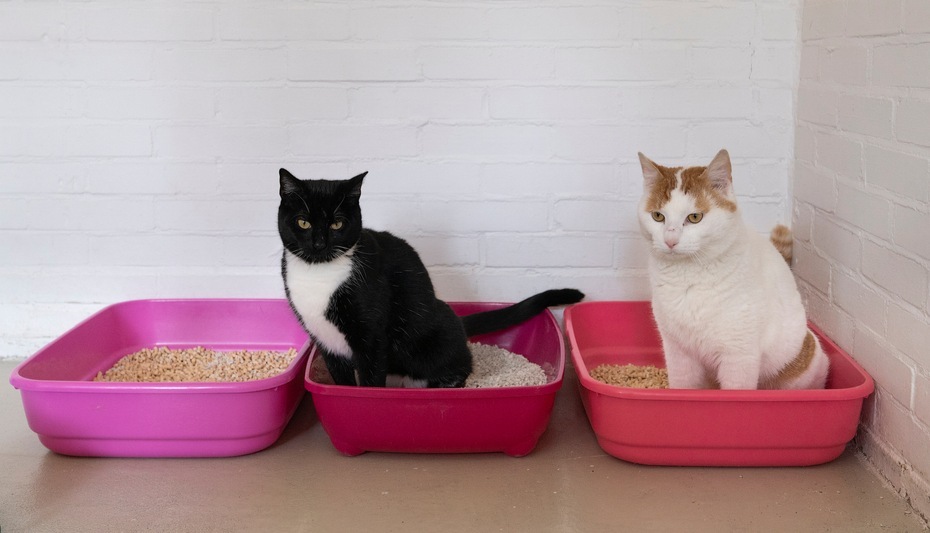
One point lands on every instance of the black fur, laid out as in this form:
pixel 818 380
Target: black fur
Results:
pixel 388 310
pixel 488 321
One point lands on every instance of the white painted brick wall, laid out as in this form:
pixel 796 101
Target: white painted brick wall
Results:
pixel 916 16
pixel 140 144
pixel 862 194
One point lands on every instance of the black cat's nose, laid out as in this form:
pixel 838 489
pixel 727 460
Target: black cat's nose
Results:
pixel 319 244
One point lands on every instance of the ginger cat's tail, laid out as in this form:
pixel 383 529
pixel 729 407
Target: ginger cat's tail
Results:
pixel 781 238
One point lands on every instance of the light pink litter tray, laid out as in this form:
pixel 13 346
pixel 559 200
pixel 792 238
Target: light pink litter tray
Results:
pixel 705 427
pixel 506 419
pixel 73 415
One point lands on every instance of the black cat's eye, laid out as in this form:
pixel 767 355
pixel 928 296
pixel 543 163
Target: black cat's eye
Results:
pixel 337 225
pixel 694 218
pixel 303 224
pixel 658 217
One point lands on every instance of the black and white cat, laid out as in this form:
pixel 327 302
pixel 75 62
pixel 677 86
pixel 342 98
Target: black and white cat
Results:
pixel 366 298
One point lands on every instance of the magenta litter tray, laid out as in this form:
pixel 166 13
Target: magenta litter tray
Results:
pixel 506 419
pixel 74 415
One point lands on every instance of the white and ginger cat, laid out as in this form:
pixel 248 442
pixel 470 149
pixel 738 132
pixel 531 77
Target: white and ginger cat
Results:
pixel 723 296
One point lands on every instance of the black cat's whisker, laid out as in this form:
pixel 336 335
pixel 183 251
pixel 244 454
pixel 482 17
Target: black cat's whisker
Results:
pixel 307 207
pixel 300 254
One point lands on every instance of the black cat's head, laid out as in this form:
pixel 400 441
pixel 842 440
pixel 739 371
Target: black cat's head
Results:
pixel 319 220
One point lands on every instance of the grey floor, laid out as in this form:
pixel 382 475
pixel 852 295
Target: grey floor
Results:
pixel 302 484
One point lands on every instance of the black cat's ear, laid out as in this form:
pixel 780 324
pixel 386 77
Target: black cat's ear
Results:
pixel 289 183
pixel 355 185
pixel 720 172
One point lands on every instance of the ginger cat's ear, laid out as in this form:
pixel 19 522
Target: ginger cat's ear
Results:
pixel 720 172
pixel 650 171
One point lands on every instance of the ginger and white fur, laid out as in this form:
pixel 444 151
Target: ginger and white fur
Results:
pixel 724 298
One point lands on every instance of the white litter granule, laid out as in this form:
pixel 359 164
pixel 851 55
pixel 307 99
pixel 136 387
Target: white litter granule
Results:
pixel 492 366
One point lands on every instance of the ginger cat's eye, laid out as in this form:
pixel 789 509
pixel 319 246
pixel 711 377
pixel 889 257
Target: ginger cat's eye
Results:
pixel 337 225
pixel 694 218
pixel 303 223
pixel 658 217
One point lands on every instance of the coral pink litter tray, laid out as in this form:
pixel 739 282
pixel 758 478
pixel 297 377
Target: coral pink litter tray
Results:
pixel 705 427
pixel 74 415
pixel 505 419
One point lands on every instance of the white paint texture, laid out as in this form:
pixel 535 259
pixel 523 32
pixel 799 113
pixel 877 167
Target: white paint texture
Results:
pixel 139 144
pixel 862 213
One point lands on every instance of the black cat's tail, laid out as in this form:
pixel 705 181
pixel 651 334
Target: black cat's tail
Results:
pixel 488 321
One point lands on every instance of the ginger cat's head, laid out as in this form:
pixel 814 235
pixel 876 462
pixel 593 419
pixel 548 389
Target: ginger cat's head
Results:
pixel 688 212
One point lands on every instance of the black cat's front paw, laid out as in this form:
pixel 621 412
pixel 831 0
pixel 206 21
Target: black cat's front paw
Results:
pixel 449 381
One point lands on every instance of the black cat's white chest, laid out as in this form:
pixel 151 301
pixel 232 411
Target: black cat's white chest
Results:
pixel 311 287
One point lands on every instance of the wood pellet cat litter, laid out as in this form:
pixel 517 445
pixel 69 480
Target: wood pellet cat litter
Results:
pixel 197 364
pixel 492 366
pixel 640 377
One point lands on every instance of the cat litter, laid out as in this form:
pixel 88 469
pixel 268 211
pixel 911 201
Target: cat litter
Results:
pixel 689 427
pixel 162 364
pixel 187 416
pixel 492 366
pixel 508 416
pixel 636 376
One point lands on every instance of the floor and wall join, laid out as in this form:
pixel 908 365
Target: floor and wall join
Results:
pixel 862 209
pixel 140 147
